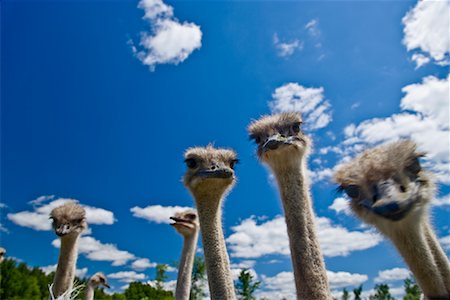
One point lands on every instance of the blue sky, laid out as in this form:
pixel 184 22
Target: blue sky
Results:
pixel 99 104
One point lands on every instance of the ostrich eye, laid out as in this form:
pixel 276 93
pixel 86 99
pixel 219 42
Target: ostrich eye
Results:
pixel 296 127
pixel 256 138
pixel 352 191
pixel 191 216
pixel 233 163
pixel 191 163
pixel 414 167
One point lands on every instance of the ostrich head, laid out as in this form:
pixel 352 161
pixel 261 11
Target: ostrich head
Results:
pixel 99 279
pixel 186 222
pixel 279 138
pixel 2 253
pixel 209 171
pixel 68 219
pixel 386 183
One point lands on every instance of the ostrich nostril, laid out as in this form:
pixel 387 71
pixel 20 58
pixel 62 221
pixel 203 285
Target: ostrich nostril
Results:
pixel 376 194
pixel 402 189
pixel 213 167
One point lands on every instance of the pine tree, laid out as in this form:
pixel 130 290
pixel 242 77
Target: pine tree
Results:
pixel 412 290
pixel 198 279
pixel 246 285
pixel 381 293
pixel 357 293
pixel 345 294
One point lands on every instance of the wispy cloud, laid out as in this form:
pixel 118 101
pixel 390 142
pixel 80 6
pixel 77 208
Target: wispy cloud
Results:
pixel 341 205
pixel 286 49
pixel 157 213
pixel 127 276
pixel 169 41
pixel 313 27
pixel 142 264
pixel 394 274
pixel 38 219
pixel 426 30
pixel 81 273
pixel 95 250
pixel 251 240
pixel 310 102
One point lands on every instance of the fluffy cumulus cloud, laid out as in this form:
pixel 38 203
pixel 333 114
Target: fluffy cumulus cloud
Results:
pixel 38 219
pixel 95 250
pixel 81 273
pixel 169 41
pixel 310 102
pixel 426 30
pixel 157 213
pixel 282 284
pixel 285 49
pixel 127 276
pixel 424 119
pixel 341 205
pixel 252 240
pixel 142 264
pixel 444 200
pixel 394 274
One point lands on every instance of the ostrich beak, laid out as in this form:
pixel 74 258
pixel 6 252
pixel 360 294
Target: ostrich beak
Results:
pixel 62 230
pixel 106 285
pixel 273 142
pixel 218 173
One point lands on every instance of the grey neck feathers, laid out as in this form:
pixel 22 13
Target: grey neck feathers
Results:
pixel 216 256
pixel 185 269
pixel 309 268
pixel 65 271
pixel 422 253
pixel 89 295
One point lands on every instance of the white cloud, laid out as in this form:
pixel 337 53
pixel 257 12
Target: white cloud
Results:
pixel 285 49
pixel 420 59
pixel 96 250
pixel 81 273
pixel 425 119
pixel 341 205
pixel 445 242
pixel 167 285
pixel 252 240
pixel 169 42
pixel 320 174
pixel 345 279
pixel 313 27
pixel 142 264
pixel 282 284
pixel 39 218
pixel 427 29
pixel 310 102
pixel 247 264
pixel 394 274
pixel 127 276
pixel 157 213
pixel 444 200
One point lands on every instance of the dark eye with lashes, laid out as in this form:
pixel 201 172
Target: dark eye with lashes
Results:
pixel 191 163
pixel 352 190
pixel 414 167
pixel 233 163
pixel 296 127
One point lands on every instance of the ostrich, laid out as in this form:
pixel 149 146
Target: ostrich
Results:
pixel 284 148
pixel 2 254
pixel 186 224
pixel 69 220
pixel 96 280
pixel 209 176
pixel 390 190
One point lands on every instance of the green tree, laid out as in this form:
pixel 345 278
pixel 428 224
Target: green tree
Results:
pixel 381 293
pixel 412 290
pixel 161 276
pixel 345 294
pixel 140 291
pixel 357 293
pixel 198 279
pixel 246 285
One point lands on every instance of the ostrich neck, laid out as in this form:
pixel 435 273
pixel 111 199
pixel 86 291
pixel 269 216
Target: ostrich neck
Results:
pixel 309 269
pixel 89 295
pixel 415 248
pixel 216 256
pixel 185 270
pixel 439 256
pixel 65 271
